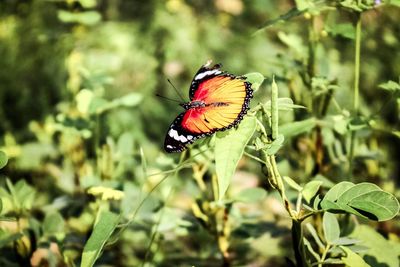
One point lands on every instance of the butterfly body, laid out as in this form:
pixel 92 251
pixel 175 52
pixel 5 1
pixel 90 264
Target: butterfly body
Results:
pixel 218 101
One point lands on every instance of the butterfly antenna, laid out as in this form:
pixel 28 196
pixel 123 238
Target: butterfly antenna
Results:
pixel 170 99
pixel 176 90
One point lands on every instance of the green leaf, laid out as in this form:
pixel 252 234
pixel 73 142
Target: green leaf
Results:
pixel 342 29
pixel 3 159
pixel 352 259
pixel 272 148
pixel 229 147
pixel 310 189
pixel 380 204
pixel 53 223
pixel 83 100
pixel 292 183
pixel 297 127
pixel 364 199
pixel 394 2
pixel 255 78
pixel 380 249
pixel 86 18
pixel 335 192
pixel 355 191
pixel 304 4
pixel 251 195
pixel 98 105
pixel 390 86
pixel 331 227
pixel 284 103
pixel 129 100
pixel 345 241
pixel 105 226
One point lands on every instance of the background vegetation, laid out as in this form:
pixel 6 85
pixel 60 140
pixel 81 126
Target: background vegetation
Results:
pixel 83 132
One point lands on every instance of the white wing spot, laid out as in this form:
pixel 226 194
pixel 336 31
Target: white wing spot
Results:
pixel 169 146
pixel 174 134
pixel 189 137
pixel 207 73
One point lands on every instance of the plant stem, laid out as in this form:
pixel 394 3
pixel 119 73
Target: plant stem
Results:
pixel 356 103
pixel 357 65
pixel 298 244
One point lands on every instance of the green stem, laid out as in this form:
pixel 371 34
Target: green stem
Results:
pixel 326 249
pixel 357 65
pixel 298 244
pixel 356 103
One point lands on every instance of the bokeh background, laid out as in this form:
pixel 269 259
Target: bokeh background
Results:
pixel 78 108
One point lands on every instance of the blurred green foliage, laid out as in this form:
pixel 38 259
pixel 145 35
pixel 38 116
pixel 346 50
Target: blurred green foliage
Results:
pixel 83 171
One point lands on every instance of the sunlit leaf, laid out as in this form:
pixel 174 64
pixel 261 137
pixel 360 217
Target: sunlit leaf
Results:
pixel 86 18
pixel 335 192
pixel 390 86
pixel 380 204
pixel 292 183
pixel 3 159
pixel 229 148
pixel 380 250
pixel 104 227
pixel 310 190
pixel 255 78
pixel 297 127
pixel 331 227
pixel 352 259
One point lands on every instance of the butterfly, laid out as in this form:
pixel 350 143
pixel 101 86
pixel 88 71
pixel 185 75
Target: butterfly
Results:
pixel 218 101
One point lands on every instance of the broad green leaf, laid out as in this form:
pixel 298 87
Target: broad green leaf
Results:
pixel 229 148
pixel 364 199
pixel 352 259
pixel 105 226
pixel 256 79
pixel 310 189
pixel 251 195
pixel 381 250
pixel 355 191
pixel 335 192
pixel 297 127
pixel 378 203
pixel 292 183
pixel 331 227
pixel 390 86
pixel 3 159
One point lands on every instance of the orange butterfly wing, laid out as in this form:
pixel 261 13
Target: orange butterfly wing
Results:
pixel 226 98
